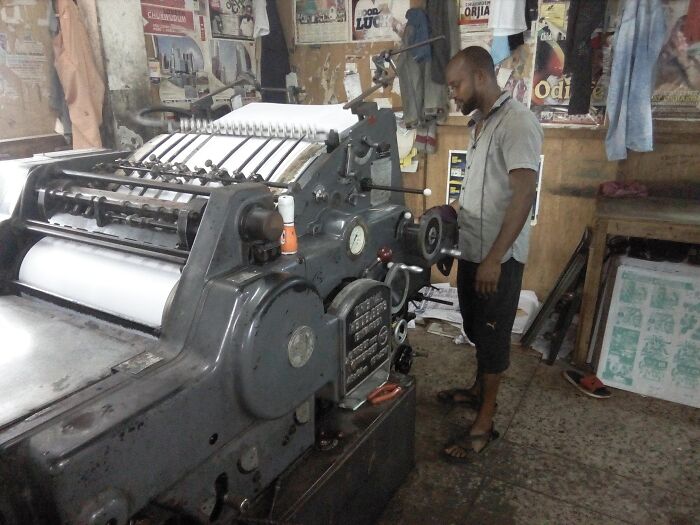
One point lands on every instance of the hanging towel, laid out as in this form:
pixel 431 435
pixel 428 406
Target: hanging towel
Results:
pixel 636 48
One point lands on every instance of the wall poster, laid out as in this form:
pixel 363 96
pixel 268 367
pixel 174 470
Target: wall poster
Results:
pixel 651 344
pixel 551 88
pixel 232 18
pixel 474 15
pixel 380 20
pixel 321 21
pixel 677 91
pixel 178 58
pixel 456 174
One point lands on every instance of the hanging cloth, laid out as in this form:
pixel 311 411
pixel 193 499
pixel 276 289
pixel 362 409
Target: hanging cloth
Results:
pixel 507 17
pixel 636 48
pixel 585 16
pixel 82 83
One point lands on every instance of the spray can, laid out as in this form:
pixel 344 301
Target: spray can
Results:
pixel 285 205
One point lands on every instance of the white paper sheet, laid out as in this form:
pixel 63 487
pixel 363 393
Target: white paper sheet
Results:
pixel 129 286
pixel 291 119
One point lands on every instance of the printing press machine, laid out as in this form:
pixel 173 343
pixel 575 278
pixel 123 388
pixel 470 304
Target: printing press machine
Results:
pixel 159 351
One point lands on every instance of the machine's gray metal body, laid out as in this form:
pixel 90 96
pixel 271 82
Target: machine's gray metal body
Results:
pixel 212 407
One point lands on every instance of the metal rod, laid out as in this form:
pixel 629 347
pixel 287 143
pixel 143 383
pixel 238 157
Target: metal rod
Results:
pixel 158 145
pixel 155 176
pixel 284 157
pixel 107 241
pixel 171 146
pixel 283 185
pixel 204 178
pixel 274 150
pixel 111 199
pixel 140 221
pixel 230 153
pixel 367 92
pixel 417 44
pixel 185 146
pixel 252 155
pixel 196 149
pixel 125 181
pixel 370 186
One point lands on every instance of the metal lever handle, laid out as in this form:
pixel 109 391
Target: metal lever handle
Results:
pixel 451 252
pixel 366 185
pixel 402 266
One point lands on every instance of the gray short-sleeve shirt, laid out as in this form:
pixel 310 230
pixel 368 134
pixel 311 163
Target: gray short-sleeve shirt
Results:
pixel 510 138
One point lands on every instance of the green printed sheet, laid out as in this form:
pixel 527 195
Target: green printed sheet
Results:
pixel 651 344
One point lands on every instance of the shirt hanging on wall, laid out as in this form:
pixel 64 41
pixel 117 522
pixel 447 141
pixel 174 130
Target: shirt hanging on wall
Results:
pixel 507 17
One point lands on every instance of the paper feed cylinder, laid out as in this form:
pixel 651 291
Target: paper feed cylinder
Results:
pixel 129 286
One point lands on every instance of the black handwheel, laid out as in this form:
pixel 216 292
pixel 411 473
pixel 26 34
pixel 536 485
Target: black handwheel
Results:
pixel 403 360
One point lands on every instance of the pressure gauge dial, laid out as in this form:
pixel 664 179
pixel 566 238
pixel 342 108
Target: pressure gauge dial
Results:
pixel 357 240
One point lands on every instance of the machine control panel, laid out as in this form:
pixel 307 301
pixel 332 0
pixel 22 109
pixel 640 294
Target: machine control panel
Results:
pixel 365 309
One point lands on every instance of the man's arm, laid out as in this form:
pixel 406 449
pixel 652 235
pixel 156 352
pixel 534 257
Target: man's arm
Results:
pixel 523 183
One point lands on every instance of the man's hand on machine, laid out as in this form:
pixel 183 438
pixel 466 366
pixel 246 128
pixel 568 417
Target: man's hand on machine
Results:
pixel 487 275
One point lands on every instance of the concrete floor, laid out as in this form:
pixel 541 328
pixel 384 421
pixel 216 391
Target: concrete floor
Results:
pixel 562 457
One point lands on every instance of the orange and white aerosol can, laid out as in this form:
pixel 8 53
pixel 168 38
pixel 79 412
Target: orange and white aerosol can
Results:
pixel 285 205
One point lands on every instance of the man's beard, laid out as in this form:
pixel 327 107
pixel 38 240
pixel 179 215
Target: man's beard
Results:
pixel 469 106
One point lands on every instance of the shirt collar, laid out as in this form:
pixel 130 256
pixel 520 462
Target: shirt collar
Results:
pixel 476 116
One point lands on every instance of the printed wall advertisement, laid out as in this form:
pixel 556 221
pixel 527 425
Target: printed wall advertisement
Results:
pixel 26 65
pixel 677 92
pixel 177 67
pixel 232 58
pixel 321 21
pixel 474 15
pixel 178 56
pixel 166 21
pixel 382 20
pixel 550 87
pixel 456 174
pixel 232 18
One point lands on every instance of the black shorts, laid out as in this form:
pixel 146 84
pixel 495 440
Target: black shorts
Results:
pixel 488 320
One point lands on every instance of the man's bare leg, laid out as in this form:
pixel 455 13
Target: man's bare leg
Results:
pixel 484 420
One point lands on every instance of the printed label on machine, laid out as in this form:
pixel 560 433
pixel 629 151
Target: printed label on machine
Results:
pixel 367 336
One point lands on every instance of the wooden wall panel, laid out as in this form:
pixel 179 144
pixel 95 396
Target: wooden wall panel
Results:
pixel 575 161
pixel 574 167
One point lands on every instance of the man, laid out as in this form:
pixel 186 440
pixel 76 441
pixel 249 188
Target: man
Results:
pixel 493 211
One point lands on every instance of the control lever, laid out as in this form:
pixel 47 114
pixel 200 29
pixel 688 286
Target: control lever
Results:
pixel 422 297
pixel 367 184
pixel 402 266
pixel 452 252
pixel 384 255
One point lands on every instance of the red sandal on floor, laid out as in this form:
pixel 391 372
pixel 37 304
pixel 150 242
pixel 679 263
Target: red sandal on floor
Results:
pixel 588 384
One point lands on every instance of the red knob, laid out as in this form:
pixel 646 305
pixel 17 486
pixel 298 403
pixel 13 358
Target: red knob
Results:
pixel 385 254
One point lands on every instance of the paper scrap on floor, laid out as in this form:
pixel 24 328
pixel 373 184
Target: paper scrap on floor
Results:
pixel 527 307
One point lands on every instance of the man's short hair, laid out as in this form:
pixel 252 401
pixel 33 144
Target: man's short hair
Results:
pixel 475 58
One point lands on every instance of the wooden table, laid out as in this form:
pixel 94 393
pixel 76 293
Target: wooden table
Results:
pixel 653 218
